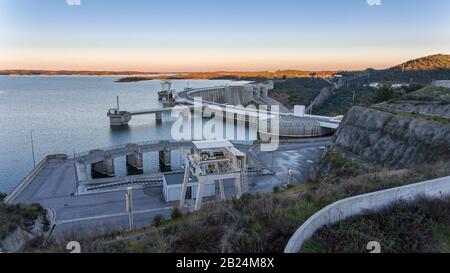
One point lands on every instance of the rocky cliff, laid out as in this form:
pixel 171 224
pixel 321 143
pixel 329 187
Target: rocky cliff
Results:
pixel 377 138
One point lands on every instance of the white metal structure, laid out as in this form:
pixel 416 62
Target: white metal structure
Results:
pixel 210 161
pixel 166 85
pixel 173 186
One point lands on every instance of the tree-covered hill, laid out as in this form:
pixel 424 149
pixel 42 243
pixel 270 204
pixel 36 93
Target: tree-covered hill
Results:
pixel 432 62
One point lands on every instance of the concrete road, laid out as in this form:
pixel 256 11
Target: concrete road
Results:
pixel 299 157
pixel 55 186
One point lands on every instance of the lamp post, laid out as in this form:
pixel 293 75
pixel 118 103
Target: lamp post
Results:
pixel 76 171
pixel 129 207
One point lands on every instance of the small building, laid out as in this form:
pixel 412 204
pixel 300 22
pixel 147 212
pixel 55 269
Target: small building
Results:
pixel 399 85
pixel 442 83
pixel 173 185
pixel 299 110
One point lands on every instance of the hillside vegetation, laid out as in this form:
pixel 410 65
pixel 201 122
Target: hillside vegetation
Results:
pixel 342 100
pixel 300 91
pixel 419 71
pixel 255 224
pixel 20 216
pixel 432 62
pixel 432 92
pixel 421 226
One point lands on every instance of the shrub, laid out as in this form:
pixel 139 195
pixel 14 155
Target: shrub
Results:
pixel 384 93
pixel 195 238
pixel 176 213
pixel 157 220
pixel 276 189
pixel 402 227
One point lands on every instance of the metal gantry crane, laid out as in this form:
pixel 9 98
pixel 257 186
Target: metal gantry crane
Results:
pixel 214 160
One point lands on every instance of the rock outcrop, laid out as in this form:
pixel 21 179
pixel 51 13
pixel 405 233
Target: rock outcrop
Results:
pixel 380 138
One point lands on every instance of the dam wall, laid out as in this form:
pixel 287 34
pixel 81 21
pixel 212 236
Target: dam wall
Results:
pixel 233 95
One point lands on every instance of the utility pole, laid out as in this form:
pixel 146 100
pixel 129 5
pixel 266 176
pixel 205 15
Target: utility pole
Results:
pixel 129 206
pixel 289 177
pixel 271 167
pixel 32 149
pixel 75 168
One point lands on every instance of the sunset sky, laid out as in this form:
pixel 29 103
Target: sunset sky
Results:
pixel 209 35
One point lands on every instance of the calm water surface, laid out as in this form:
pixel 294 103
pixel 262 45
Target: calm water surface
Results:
pixel 68 113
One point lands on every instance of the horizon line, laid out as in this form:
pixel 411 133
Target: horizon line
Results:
pixel 212 70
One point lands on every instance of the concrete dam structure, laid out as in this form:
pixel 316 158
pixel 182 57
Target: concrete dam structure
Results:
pixel 232 95
pixel 216 101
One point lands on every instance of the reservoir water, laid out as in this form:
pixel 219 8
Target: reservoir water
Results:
pixel 67 113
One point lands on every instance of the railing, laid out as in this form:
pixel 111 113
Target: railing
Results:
pixel 107 151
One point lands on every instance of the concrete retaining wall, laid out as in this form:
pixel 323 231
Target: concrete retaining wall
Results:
pixel 27 180
pixel 359 204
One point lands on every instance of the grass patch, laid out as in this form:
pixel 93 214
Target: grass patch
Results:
pixel 432 91
pixel 415 115
pixel 340 161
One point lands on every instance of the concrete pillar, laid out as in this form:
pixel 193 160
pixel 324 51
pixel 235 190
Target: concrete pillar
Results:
pixel 165 159
pixel 136 161
pixel 238 186
pixel 185 185
pixel 222 190
pixel 105 167
pixel 198 200
pixel 208 112
pixel 158 117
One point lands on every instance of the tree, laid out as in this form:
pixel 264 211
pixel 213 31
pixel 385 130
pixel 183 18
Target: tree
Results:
pixel 384 93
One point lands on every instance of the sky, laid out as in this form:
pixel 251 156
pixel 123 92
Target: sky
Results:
pixel 213 35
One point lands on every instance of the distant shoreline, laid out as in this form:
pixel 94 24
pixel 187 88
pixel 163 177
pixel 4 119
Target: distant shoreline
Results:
pixel 136 76
pixel 20 72
pixel 280 74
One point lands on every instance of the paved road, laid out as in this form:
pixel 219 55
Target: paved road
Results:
pixel 55 185
pixel 299 157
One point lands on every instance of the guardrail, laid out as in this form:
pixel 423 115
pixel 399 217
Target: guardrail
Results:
pixel 141 146
pixel 29 178
pixel 359 204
